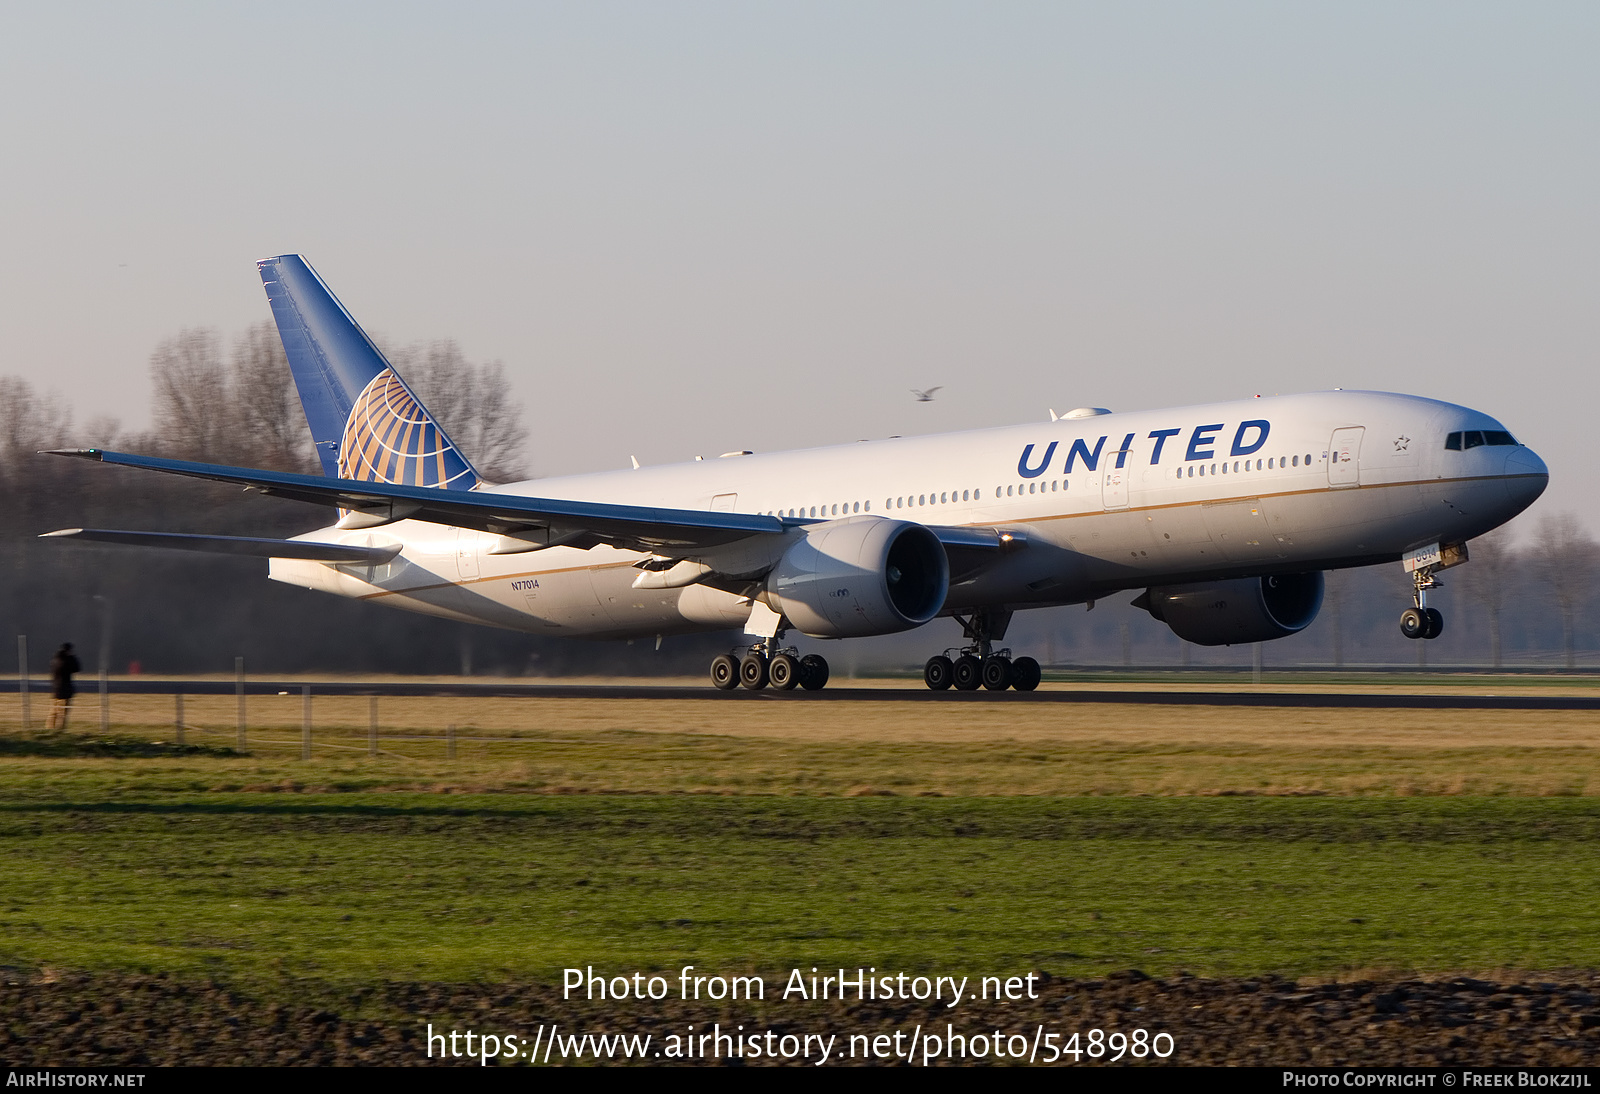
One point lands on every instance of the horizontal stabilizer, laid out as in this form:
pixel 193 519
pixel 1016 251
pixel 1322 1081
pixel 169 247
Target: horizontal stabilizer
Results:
pixel 232 545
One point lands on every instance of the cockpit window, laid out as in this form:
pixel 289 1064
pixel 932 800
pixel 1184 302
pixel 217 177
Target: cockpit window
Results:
pixel 1472 438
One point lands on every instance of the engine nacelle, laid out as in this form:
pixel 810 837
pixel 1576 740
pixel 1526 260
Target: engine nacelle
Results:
pixel 861 576
pixel 1248 609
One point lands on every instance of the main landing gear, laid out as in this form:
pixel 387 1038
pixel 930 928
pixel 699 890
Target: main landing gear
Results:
pixel 764 665
pixel 979 664
pixel 1421 621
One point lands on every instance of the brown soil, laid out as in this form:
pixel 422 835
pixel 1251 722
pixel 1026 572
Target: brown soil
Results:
pixel 142 1021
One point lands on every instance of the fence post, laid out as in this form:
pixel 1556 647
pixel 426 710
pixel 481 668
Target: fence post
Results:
pixel 305 721
pixel 105 699
pixel 177 716
pixel 22 677
pixel 1256 662
pixel 238 687
pixel 372 726
pixel 450 741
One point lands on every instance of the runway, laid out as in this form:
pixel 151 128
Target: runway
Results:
pixel 911 692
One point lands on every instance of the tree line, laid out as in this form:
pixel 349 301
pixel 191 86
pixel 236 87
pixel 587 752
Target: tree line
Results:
pixel 1527 597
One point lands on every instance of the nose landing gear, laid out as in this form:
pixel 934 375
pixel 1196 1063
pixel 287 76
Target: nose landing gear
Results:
pixel 1421 621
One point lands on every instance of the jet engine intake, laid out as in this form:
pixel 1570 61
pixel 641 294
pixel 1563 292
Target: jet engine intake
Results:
pixel 1249 609
pixel 860 576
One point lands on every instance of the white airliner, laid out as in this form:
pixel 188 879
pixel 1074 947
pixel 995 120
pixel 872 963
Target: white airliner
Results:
pixel 1224 517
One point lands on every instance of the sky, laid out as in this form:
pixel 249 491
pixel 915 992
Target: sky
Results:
pixel 692 228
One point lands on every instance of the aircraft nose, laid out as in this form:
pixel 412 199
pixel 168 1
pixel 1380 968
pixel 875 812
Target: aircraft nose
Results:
pixel 1526 476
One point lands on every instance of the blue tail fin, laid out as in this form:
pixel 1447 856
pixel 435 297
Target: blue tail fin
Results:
pixel 367 423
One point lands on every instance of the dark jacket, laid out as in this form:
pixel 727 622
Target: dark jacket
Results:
pixel 62 666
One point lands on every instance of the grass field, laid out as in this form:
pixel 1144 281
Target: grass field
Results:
pixel 735 836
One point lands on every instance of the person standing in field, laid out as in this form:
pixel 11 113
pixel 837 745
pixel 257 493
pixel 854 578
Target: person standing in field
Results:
pixel 62 666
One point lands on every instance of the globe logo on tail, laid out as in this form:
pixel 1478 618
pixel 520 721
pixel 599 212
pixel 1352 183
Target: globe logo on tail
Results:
pixel 390 438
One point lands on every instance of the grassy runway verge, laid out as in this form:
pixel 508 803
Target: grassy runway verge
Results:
pixel 640 835
pixel 350 888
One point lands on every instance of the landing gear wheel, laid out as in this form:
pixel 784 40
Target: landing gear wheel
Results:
pixel 753 672
pixel 968 673
pixel 725 672
pixel 783 672
pixel 1025 674
pixel 1435 622
pixel 1413 623
pixel 997 673
pixel 938 673
pixel 813 672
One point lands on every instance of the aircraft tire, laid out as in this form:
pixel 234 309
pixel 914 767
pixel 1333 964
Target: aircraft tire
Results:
pixel 783 672
pixel 1413 623
pixel 724 672
pixel 997 673
pixel 968 673
pixel 1435 623
pixel 1025 674
pixel 938 673
pixel 753 672
pixel 813 672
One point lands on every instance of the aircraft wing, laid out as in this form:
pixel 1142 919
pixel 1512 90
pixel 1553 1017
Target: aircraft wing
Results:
pixel 248 546
pixel 545 521
pixel 581 523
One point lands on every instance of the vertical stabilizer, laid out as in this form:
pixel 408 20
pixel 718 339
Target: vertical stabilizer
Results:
pixel 366 422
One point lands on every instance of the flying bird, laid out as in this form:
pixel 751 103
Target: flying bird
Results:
pixel 925 396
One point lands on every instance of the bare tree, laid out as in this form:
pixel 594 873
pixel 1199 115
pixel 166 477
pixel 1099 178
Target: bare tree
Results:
pixel 266 404
pixel 29 421
pixel 190 396
pixel 1335 583
pixel 1487 579
pixel 472 402
pixel 1564 559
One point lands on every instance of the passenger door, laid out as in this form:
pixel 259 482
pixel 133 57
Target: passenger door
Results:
pixel 1344 457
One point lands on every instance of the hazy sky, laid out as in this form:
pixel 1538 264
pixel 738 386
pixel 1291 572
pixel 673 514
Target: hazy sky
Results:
pixel 689 228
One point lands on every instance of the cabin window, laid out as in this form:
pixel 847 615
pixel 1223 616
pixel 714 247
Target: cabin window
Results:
pixel 942 497
pixel 1191 470
pixel 1297 461
pixel 964 496
pixel 868 504
pixel 1269 465
pixel 1308 459
pixel 1202 471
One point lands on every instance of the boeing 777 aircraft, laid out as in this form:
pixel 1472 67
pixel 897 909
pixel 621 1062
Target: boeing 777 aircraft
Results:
pixel 1223 517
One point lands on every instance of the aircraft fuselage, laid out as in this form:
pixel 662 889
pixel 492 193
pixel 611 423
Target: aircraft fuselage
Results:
pixel 1095 505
